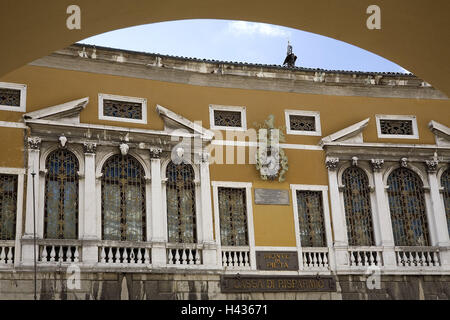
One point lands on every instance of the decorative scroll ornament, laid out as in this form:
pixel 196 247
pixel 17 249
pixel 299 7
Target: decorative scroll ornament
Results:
pixel 271 161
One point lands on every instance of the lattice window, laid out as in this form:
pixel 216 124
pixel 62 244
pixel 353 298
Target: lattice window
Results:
pixel 61 195
pixel 311 221
pixel 8 206
pixel 445 184
pixel 10 97
pixel 226 118
pixel 122 109
pixel 123 199
pixel 407 207
pixel 233 216
pixel 358 212
pixel 396 127
pixel 302 123
pixel 181 211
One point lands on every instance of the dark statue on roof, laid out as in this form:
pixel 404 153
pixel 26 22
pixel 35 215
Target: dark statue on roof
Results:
pixel 290 57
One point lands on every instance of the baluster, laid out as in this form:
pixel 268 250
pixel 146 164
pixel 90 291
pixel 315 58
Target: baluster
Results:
pixel 371 258
pixel 359 258
pixel 320 259
pixel 146 256
pixel 103 255
pixel 399 261
pixel 184 257
pixel 247 259
pixel 352 258
pixel 44 254
pixel 224 256
pixel 315 259
pixel 170 256
pixel 139 256
pixel 435 259
pixel 190 257
pixel 132 256
pixel 177 257
pixel 238 258
pixel 197 257
pixel 377 258
pixel 10 255
pixel 116 259
pixel 366 259
pixel 325 260
pixel 76 255
pixel 60 254
pixel 2 255
pixel 420 258
pixel 52 254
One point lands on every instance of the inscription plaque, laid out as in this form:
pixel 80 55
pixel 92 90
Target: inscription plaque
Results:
pixel 240 283
pixel 271 196
pixel 277 260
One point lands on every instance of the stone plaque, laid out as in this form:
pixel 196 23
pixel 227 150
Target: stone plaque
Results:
pixel 277 260
pixel 272 196
pixel 240 283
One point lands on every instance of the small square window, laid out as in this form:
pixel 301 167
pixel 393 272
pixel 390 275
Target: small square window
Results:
pixel 227 118
pixel 121 108
pixel 395 126
pixel 303 122
pixel 13 96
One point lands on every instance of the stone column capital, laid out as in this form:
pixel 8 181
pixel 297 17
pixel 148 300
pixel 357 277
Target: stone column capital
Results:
pixel 89 147
pixel 34 143
pixel 377 164
pixel 331 163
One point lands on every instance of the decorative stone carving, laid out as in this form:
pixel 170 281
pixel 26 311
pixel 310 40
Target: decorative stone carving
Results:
pixel 203 157
pixel 431 165
pixel 377 164
pixel 34 143
pixel 124 148
pixel 62 141
pixel 331 163
pixel 155 153
pixel 404 162
pixel 89 147
pixel 354 161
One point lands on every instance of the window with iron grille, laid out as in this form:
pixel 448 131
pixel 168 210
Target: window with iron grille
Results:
pixel 445 184
pixel 10 97
pixel 358 212
pixel 226 118
pixel 8 206
pixel 407 207
pixel 61 195
pixel 123 199
pixel 302 123
pixel 233 216
pixel 310 216
pixel 396 127
pixel 181 209
pixel 122 109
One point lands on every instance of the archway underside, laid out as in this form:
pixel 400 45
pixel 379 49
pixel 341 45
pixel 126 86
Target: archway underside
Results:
pixel 413 33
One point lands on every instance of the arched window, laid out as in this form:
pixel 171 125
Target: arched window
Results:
pixel 407 207
pixel 358 213
pixel 8 206
pixel 61 195
pixel 123 199
pixel 445 184
pixel 180 192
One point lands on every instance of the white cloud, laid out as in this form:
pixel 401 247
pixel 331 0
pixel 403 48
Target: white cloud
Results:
pixel 253 28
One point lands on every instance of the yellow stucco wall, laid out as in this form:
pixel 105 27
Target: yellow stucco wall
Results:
pixel 274 225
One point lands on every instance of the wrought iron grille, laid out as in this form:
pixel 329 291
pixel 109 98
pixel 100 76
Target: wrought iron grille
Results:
pixel 233 216
pixel 445 184
pixel 310 216
pixel 224 118
pixel 10 97
pixel 358 212
pixel 123 199
pixel 302 123
pixel 397 127
pixel 181 211
pixel 407 207
pixel 8 206
pixel 122 109
pixel 61 195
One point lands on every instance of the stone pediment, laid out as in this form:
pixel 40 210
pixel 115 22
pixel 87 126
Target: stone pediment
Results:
pixel 68 112
pixel 351 134
pixel 441 133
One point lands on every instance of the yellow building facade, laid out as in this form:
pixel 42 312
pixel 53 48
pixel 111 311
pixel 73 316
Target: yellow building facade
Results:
pixel 145 177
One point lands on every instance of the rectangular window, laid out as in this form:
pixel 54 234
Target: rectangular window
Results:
pixel 121 108
pixel 311 222
pixel 301 122
pixel 12 97
pixel 233 216
pixel 227 118
pixel 8 206
pixel 394 126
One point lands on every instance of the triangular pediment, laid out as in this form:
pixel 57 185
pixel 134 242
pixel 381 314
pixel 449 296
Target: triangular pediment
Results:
pixel 67 112
pixel 441 133
pixel 173 121
pixel 350 134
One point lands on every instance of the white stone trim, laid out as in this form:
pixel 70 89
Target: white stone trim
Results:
pixel 242 110
pixel 9 124
pixel 250 226
pixel 20 172
pixel 411 118
pixel 315 114
pixel 23 96
pixel 103 96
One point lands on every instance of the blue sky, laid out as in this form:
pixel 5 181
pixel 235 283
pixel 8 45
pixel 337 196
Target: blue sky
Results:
pixel 244 42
